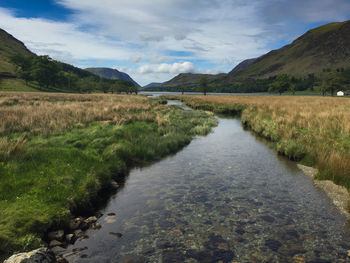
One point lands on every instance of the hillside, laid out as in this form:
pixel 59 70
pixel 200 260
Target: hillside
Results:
pixel 109 73
pixel 152 85
pixel 327 46
pixel 190 79
pixel 8 47
pixel 41 73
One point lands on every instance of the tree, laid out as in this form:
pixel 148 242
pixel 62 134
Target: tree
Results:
pixel 203 85
pixel 45 71
pixel 281 84
pixel 182 89
pixel 104 85
pixel 24 66
pixel 333 81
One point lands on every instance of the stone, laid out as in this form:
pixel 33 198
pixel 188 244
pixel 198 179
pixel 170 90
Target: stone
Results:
pixel 299 259
pixel 70 238
pixel 96 225
pixel 111 214
pixel 99 214
pixel 56 235
pixel 78 232
pixel 55 243
pixel 118 235
pixel 274 245
pixel 114 184
pixel 90 220
pixel 43 255
pixel 58 250
pixel 75 223
pixel 348 252
pixel 61 260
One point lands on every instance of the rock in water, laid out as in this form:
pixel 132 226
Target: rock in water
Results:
pixel 42 255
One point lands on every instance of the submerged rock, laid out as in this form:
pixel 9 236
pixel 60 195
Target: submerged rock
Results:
pixel 43 255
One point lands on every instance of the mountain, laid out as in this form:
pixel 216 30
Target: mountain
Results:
pixel 114 74
pixel 327 46
pixel 243 65
pixel 188 79
pixel 58 77
pixel 8 47
pixel 152 85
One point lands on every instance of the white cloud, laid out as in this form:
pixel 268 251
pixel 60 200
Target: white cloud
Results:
pixel 149 34
pixel 175 68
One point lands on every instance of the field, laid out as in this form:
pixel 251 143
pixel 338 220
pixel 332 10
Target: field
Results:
pixel 312 130
pixel 58 151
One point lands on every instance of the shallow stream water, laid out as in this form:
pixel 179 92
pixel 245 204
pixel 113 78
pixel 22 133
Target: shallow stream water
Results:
pixel 226 197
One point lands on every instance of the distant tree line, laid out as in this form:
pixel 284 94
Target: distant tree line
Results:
pixel 327 82
pixel 52 75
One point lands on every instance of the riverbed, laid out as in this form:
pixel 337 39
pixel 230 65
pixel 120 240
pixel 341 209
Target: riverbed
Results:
pixel 226 197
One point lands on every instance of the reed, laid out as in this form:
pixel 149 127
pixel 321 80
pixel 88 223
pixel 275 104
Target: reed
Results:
pixel 313 130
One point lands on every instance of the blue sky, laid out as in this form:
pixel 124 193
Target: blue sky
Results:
pixel 154 41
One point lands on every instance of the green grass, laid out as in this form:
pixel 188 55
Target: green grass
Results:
pixel 313 130
pixel 17 85
pixel 57 174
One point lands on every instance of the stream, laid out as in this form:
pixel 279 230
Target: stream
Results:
pixel 226 197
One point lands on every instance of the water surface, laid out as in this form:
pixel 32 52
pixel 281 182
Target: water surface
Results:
pixel 226 197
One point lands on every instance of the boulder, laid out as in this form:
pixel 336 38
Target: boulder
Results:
pixel 56 235
pixel 114 184
pixel 55 243
pixel 43 255
pixel 91 220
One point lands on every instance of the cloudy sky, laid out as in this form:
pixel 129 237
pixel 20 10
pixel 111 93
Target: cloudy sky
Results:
pixel 154 40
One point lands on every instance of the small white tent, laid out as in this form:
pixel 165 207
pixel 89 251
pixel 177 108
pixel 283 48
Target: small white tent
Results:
pixel 340 93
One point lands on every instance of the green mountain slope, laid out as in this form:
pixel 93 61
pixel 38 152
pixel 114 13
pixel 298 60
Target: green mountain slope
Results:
pixel 327 46
pixel 9 46
pixel 44 74
pixel 109 73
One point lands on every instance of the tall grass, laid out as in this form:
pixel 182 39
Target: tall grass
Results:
pixel 313 130
pixel 58 151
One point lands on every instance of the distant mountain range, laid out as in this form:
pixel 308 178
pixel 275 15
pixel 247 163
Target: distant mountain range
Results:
pixel 152 85
pixel 325 47
pixel 10 46
pixel 110 73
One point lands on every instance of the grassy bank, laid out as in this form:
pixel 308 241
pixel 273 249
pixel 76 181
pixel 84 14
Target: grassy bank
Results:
pixel 313 130
pixel 57 151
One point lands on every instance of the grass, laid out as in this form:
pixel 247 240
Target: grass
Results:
pixel 312 130
pixel 17 85
pixel 58 151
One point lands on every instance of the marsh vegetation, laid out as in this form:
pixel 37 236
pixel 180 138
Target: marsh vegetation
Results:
pixel 313 130
pixel 58 151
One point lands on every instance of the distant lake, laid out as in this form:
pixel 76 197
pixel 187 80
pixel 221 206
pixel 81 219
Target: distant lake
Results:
pixel 163 93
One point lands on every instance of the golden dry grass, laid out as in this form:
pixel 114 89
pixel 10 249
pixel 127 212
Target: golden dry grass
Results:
pixel 315 129
pixel 41 113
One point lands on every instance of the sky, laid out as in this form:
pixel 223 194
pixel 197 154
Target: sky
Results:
pixel 155 40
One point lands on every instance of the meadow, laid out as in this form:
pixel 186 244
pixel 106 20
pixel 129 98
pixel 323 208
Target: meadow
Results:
pixel 58 152
pixel 312 130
